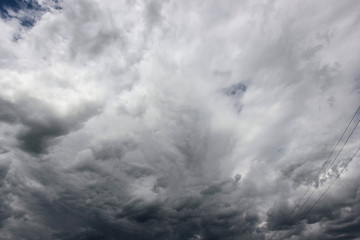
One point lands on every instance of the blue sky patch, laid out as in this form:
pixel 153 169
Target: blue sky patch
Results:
pixel 27 12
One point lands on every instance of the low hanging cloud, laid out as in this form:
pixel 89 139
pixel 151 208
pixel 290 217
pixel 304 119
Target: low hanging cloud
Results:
pixel 177 120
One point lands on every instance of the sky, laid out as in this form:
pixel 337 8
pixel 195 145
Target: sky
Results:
pixel 178 120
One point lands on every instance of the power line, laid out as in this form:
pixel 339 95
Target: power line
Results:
pixel 308 198
pixel 341 149
pixel 327 189
pixel 327 160
pixel 332 183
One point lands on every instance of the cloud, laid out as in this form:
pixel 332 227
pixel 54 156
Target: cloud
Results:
pixel 176 120
pixel 40 125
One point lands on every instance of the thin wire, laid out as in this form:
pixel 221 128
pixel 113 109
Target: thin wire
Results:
pixel 288 216
pixel 323 194
pixel 340 150
pixel 304 204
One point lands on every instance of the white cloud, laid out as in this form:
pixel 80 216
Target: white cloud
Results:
pixel 114 117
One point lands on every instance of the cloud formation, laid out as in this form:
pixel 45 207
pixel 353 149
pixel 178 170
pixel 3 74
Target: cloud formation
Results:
pixel 176 120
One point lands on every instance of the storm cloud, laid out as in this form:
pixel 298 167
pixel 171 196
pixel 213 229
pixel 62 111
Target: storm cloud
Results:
pixel 178 119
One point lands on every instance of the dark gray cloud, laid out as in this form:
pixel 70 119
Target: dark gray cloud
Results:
pixel 40 125
pixel 8 112
pixel 177 120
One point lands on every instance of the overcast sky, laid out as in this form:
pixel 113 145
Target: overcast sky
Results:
pixel 177 120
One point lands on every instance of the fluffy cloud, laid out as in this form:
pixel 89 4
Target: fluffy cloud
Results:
pixel 176 120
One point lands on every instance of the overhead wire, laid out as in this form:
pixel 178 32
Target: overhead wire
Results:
pixel 330 185
pixel 319 172
pixel 308 198
pixel 304 204
pixel 337 177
